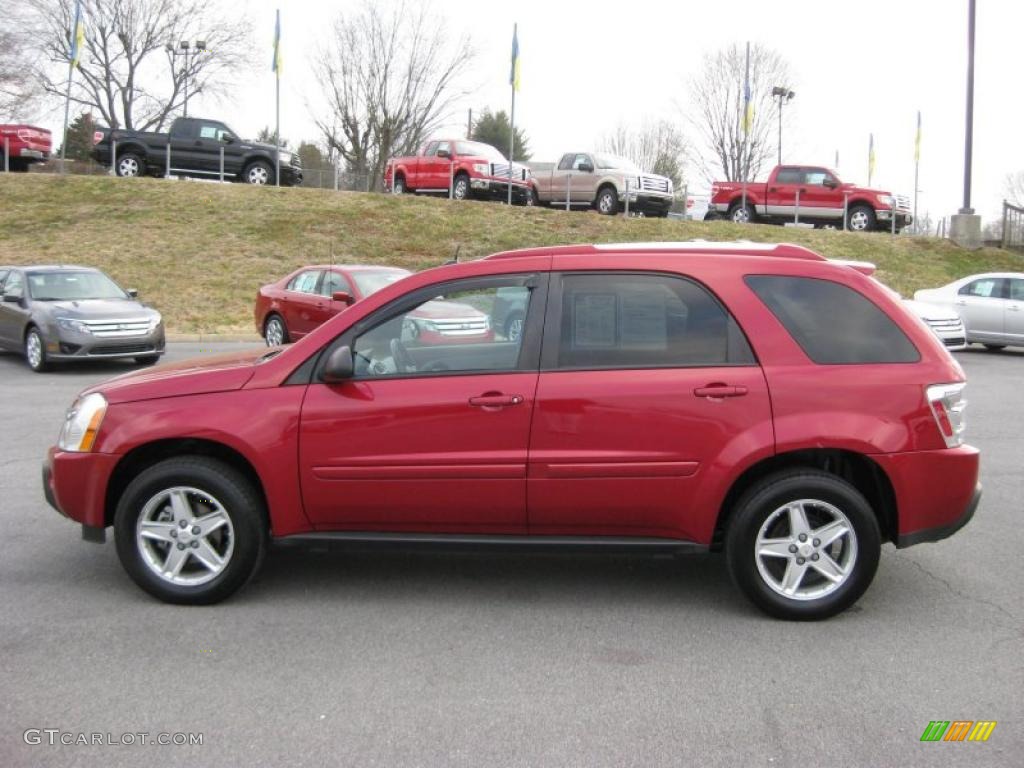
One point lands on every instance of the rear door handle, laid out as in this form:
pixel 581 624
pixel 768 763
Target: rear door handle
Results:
pixel 719 390
pixel 495 400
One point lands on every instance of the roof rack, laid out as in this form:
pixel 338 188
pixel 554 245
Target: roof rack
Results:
pixel 737 247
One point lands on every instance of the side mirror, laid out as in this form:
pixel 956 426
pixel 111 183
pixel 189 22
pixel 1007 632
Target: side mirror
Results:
pixel 444 153
pixel 830 183
pixel 339 366
pixel 343 296
pixel 12 298
pixel 586 168
pixel 133 292
pixel 228 138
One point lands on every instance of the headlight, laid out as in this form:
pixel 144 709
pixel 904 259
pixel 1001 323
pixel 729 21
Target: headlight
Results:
pixel 155 321
pixel 70 324
pixel 885 200
pixel 82 423
pixel 286 157
pixel 482 168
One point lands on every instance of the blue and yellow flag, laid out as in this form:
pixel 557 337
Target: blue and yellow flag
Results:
pixel 276 66
pixel 917 139
pixel 77 36
pixel 871 156
pixel 513 77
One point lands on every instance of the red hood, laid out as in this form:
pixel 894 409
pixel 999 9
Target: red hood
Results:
pixel 216 373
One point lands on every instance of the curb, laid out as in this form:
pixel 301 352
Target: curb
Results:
pixel 213 337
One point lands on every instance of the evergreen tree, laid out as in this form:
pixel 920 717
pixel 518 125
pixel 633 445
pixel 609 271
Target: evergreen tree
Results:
pixel 79 139
pixel 493 128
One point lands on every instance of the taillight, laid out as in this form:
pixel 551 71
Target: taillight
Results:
pixel 24 135
pixel 97 137
pixel 947 403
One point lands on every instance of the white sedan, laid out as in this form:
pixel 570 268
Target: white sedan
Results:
pixel 991 306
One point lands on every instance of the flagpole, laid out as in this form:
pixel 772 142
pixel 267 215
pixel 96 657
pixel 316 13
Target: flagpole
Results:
pixel 917 163
pixel 277 101
pixel 512 118
pixel 744 165
pixel 67 109
pixel 74 51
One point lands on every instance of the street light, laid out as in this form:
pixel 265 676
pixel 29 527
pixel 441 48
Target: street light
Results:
pixel 784 96
pixel 185 47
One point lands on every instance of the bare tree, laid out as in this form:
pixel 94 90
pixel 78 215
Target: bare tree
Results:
pixel 1014 188
pixel 389 77
pixel 16 83
pixel 717 105
pixel 659 147
pixel 126 72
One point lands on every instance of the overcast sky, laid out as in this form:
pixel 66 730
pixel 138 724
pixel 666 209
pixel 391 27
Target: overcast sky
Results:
pixel 860 67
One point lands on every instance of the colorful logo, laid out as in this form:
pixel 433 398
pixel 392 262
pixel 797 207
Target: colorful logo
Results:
pixel 958 730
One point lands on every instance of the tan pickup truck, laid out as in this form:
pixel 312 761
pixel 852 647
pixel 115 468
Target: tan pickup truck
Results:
pixel 602 181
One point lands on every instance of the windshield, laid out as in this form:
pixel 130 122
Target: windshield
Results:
pixel 479 149
pixel 372 281
pixel 72 286
pixel 615 162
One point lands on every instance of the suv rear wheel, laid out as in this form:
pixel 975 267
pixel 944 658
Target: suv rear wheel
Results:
pixel 803 545
pixel 190 530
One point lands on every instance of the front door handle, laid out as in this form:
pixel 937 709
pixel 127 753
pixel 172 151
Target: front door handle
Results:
pixel 961 302
pixel 1014 308
pixel 719 390
pixel 495 400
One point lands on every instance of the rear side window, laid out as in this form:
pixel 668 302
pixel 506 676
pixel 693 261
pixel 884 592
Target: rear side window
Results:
pixel 304 282
pixel 986 288
pixel 833 324
pixel 790 176
pixel 642 321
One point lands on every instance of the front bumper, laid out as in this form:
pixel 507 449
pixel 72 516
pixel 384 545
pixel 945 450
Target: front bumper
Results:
pixel 903 218
pixel 291 176
pixel 63 344
pixel 492 188
pixel 647 202
pixel 75 484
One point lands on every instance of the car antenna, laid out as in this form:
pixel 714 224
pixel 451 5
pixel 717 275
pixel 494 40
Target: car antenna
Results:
pixel 455 257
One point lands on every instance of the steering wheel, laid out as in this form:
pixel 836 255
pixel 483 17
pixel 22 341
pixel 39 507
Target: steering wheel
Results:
pixel 403 360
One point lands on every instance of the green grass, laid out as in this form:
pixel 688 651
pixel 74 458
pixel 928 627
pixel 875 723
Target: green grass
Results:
pixel 198 252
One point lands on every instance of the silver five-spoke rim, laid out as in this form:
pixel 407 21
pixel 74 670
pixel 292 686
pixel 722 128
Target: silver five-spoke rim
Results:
pixel 741 215
pixel 34 350
pixel 129 166
pixel 275 333
pixel 461 186
pixel 258 175
pixel 185 536
pixel 858 220
pixel 806 549
pixel 605 203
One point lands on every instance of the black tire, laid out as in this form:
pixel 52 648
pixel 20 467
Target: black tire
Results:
pixel 258 172
pixel 660 214
pixel 399 186
pixel 514 326
pixel 269 331
pixel 742 214
pixel 146 359
pixel 995 347
pixel 35 350
pixel 19 166
pixel 214 482
pixel 460 187
pixel 130 165
pixel 607 201
pixel 861 218
pixel 763 505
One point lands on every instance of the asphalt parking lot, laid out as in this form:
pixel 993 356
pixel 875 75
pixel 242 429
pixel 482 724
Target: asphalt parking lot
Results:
pixel 523 660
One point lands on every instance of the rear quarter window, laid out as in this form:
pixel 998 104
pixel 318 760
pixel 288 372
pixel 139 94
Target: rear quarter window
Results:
pixel 832 323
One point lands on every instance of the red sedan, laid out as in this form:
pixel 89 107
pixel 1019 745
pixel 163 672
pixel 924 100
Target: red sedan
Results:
pixel 296 304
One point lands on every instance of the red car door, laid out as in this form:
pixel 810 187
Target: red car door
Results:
pixel 646 385
pixel 781 192
pixel 424 437
pixel 822 200
pixel 302 305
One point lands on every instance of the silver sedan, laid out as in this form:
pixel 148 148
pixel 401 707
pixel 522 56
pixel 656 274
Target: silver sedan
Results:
pixel 991 306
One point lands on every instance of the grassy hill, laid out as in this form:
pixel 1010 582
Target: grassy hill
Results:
pixel 198 251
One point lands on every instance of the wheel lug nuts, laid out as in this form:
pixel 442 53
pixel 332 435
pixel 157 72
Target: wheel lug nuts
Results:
pixel 183 523
pixel 195 544
pixel 180 545
pixel 196 530
pixel 814 556
pixel 799 560
pixel 802 537
pixel 817 542
pixel 174 534
pixel 792 548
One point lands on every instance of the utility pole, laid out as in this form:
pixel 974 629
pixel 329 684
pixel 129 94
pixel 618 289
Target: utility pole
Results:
pixel 782 95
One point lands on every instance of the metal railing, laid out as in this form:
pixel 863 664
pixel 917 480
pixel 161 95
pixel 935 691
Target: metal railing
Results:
pixel 1013 226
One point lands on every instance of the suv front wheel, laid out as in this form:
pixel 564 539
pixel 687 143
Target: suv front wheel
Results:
pixel 803 545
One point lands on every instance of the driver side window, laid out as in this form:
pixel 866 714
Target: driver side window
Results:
pixel 473 328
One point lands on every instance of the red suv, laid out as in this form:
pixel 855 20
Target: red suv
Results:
pixel 660 398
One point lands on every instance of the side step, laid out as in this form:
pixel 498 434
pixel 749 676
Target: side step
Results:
pixel 509 543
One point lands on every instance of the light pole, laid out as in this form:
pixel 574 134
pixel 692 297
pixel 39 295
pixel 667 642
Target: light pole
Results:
pixel 784 96
pixel 185 47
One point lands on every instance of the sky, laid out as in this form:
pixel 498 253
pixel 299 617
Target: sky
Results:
pixel 859 68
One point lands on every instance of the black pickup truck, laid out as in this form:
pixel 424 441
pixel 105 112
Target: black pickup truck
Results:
pixel 195 151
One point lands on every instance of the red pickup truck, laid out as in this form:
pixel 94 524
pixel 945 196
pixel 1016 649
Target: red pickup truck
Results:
pixel 811 194
pixel 467 168
pixel 24 145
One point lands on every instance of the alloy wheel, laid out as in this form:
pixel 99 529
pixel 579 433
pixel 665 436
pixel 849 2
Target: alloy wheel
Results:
pixel 34 349
pixel 258 175
pixel 128 166
pixel 858 221
pixel 274 333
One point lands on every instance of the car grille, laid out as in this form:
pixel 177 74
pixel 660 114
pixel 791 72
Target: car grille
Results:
pixel 955 341
pixel 902 203
pixel 500 170
pixel 123 349
pixel 467 327
pixel 117 329
pixel 654 184
pixel 946 326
